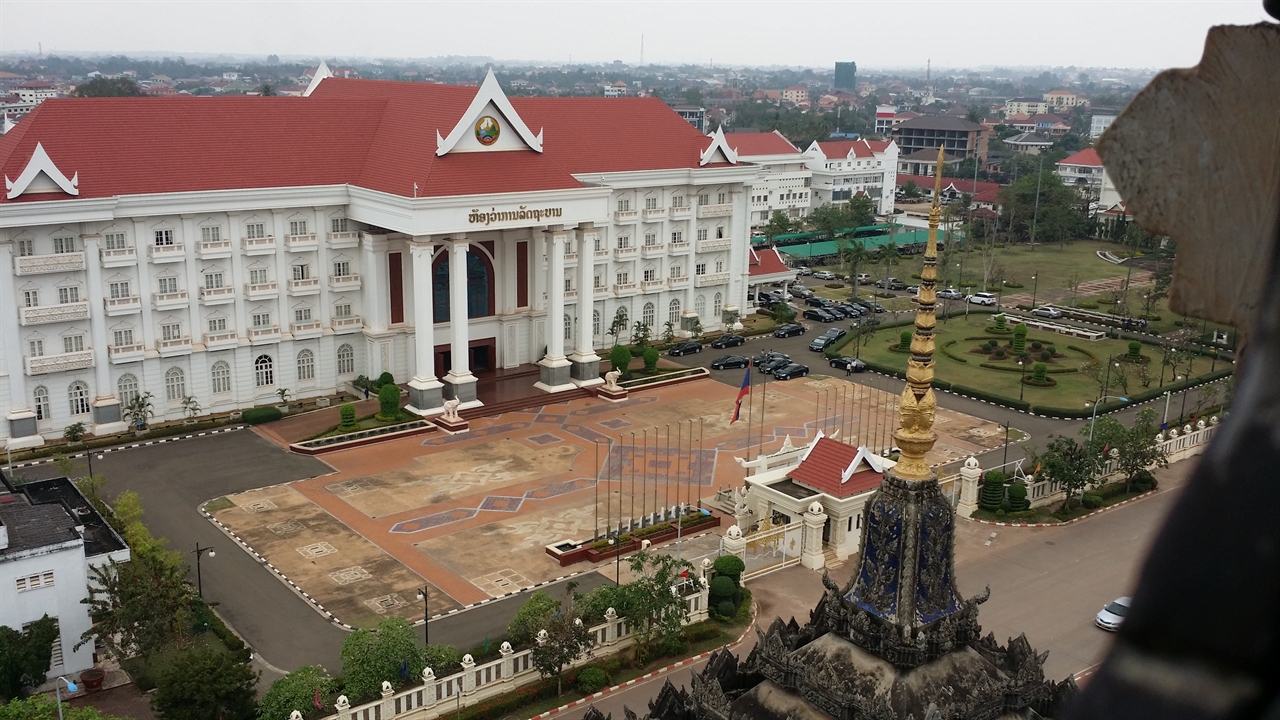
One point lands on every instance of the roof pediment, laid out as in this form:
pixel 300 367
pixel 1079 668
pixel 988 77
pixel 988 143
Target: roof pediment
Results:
pixel 718 150
pixel 488 101
pixel 41 176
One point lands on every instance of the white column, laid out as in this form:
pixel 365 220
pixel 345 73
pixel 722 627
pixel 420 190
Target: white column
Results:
pixel 146 286
pixel 21 416
pixel 555 367
pixel 460 383
pixel 813 555
pixel 106 407
pixel 239 278
pixel 585 367
pixel 424 389
pixel 970 479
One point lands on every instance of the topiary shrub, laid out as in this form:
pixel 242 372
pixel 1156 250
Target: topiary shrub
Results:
pixel 730 566
pixel 1087 305
pixel 348 414
pixel 726 609
pixel 1019 339
pixel 1001 323
pixel 998 353
pixel 1040 372
pixel 1052 350
pixel 1018 501
pixel 591 680
pixel 1092 502
pixel 259 415
pixel 1036 345
pixel 904 340
pixel 992 491
pixel 722 590
pixel 385 379
pixel 1046 355
pixel 650 360
pixel 1135 351
pixel 620 358
pixel 388 403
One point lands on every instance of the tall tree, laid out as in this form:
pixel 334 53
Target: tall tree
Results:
pixel 206 684
pixel 779 224
pixel 854 254
pixel 566 639
pixel 654 606
pixel 827 220
pixel 390 653
pixel 25 656
pixel 298 691
pixel 1068 463
pixel 141 606
pixel 108 87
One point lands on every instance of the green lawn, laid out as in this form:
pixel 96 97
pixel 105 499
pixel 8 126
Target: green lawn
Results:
pixel 365 423
pixel 1072 390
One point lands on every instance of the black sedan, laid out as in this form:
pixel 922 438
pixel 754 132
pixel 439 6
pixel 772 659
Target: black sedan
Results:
pixel 789 330
pixel 767 355
pixel 687 347
pixel 818 302
pixel 727 341
pixel 848 364
pixel 791 370
pixel 820 315
pixel 770 366
pixel 729 362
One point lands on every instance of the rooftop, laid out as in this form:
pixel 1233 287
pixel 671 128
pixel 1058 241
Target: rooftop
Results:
pixel 99 537
pixel 1088 156
pixel 748 144
pixel 939 122
pixel 31 527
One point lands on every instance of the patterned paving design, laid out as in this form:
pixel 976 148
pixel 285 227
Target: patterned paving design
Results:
pixel 544 439
pixel 493 503
pixel 499 503
pixel 435 520
pixel 502 582
pixel 683 467
pixel 615 424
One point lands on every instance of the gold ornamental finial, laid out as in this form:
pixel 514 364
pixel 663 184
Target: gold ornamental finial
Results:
pixel 919 405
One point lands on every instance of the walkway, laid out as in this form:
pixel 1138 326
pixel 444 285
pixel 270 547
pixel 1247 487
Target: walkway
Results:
pixel 1093 287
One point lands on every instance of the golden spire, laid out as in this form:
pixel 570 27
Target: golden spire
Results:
pixel 916 412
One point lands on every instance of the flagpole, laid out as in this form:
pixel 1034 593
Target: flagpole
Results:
pixel 632 514
pixel 666 486
pixel 608 495
pixel 751 401
pixel 595 528
pixel 700 464
pixel 644 479
pixel 764 398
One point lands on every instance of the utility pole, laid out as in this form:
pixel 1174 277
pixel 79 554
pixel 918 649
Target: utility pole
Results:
pixel 1035 214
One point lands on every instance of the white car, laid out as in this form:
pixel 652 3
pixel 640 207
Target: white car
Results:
pixel 863 277
pixel 1047 311
pixel 982 298
pixel 950 294
pixel 824 275
pixel 1112 614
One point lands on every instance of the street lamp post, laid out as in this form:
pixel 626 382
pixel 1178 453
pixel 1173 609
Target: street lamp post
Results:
pixel 616 541
pixel 57 690
pixel 1022 379
pixel 1094 417
pixel 426 616
pixel 1035 283
pixel 199 551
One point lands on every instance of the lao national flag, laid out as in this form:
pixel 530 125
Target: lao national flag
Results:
pixel 746 388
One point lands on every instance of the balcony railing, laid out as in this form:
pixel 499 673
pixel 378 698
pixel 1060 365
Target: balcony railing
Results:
pixel 571 257
pixel 710 211
pixel 681 212
pixel 214 248
pixel 655 213
pixel 679 246
pixel 167 253
pixel 602 253
pixel 654 250
pixel 570 294
pixel 649 285
pixel 118 257
pixel 259 291
pixel 174 346
pixel 311 328
pixel 259 245
pixel 713 279
pixel 63 362
pixel 714 244
pixel 624 287
pixel 122 305
pixel 348 324
pixel 305 286
pixel 267 333
pixel 627 252
pixel 218 295
pixel 169 299
pixel 344 239
pixel 344 282
pixel 56 262
pixel 626 216
pixel 127 353
pixel 300 243
pixel 55 313
pixel 676 282
pixel 216 340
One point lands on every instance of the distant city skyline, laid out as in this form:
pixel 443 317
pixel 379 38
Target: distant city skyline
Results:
pixel 950 33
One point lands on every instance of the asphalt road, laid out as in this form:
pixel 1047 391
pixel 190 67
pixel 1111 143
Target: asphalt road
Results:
pixel 1045 582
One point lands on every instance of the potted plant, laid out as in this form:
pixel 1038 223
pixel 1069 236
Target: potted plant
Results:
pixel 138 411
pixel 92 678
pixel 284 399
pixel 192 408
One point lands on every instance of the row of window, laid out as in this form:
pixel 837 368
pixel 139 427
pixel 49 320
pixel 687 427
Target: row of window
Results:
pixel 164 237
pixel 623 277
pixel 651 239
pixel 649 313
pixel 782 196
pixel 175 382
pixel 35 582
pixel 651 203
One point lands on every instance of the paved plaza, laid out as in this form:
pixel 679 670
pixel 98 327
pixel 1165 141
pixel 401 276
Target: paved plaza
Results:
pixel 473 513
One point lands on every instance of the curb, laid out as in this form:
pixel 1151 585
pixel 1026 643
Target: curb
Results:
pixel 1100 510
pixel 650 675
pixel 129 446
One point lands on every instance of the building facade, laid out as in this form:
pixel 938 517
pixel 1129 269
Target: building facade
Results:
pixel 203 255
pixel 784 181
pixel 1026 106
pixel 960 138
pixel 1098 124
pixel 1060 99
pixel 843 169
pixel 1083 171
pixel 846 77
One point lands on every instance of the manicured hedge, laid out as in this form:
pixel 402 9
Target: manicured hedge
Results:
pixel 946 350
pixel 259 415
pixel 1134 399
pixel 991 398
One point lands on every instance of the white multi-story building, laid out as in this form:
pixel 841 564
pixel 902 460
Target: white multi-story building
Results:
pixel 50 536
pixel 847 168
pixel 1082 171
pixel 1098 124
pixel 36 92
pixel 783 184
pixel 222 249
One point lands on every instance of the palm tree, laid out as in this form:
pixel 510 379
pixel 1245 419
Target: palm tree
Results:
pixel 139 410
pixel 853 254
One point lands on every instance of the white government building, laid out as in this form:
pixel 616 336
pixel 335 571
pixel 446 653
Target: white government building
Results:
pixel 224 248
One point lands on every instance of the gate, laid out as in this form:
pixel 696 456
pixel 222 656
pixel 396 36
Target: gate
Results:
pixel 772 547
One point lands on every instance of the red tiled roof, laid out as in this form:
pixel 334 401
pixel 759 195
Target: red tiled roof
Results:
pixel 375 134
pixel 760 143
pixel 825 465
pixel 964 185
pixel 1045 117
pixel 766 262
pixel 1088 156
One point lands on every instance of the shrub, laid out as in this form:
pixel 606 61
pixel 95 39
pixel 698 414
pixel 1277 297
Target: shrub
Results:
pixel 1135 350
pixel 259 415
pixel 650 360
pixel 348 414
pixel 592 680
pixel 992 343
pixel 698 632
pixel 1143 480
pixel 722 590
pixel 1036 345
pixel 531 617
pixel 726 609
pixel 1001 322
pixel 1046 356
pixel 1018 501
pixel 672 645
pixel 992 496
pixel 1000 513
pixel 1040 372
pixel 1092 502
pixel 730 566
pixel 1052 350
pixel 1087 305
pixel 904 340
pixel 620 358
pixel 1019 344
pixel 388 403
pixel 834 286
pixel 385 379
pixel 998 353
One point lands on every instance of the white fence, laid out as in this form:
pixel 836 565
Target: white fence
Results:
pixel 437 697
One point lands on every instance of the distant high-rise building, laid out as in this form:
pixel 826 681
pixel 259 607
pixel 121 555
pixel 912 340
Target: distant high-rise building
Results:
pixel 846 74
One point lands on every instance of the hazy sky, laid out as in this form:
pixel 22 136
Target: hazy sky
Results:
pixel 874 33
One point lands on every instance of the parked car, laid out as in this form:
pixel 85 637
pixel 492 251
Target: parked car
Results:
pixel 891 283
pixel 801 291
pixel 871 305
pixel 982 298
pixel 1047 311
pixel 688 347
pixel 913 289
pixel 1112 614
pixel 727 341
pixel 848 363
pixel 851 310
pixel 823 341
pixel 802 270
pixel 820 302
pixel 791 370
pixel 863 277
pixel 824 275
pixel 950 294
pixel 768 367
pixel 789 330
pixel 765 356
pixel 817 314
pixel 728 362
